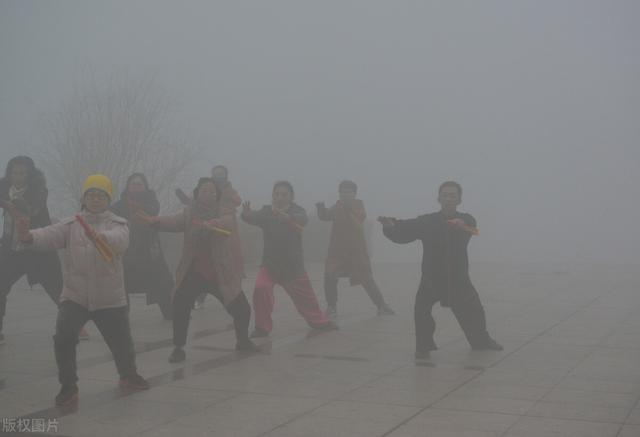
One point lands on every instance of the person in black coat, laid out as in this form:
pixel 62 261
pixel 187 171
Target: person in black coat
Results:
pixel 145 268
pixel 23 191
pixel 445 236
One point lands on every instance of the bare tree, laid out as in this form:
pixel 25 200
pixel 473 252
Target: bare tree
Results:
pixel 116 128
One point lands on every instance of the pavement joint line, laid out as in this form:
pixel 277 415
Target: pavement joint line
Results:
pixel 341 397
pixel 490 366
pixel 568 372
pixel 99 399
pixel 635 405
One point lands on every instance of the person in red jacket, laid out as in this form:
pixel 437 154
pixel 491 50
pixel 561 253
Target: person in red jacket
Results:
pixel 282 223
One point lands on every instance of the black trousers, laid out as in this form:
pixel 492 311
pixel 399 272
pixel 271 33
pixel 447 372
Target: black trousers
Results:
pixel 113 324
pixel 466 307
pixel 13 267
pixel 370 286
pixel 192 286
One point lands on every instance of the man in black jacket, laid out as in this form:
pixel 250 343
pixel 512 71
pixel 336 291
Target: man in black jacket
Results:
pixel 445 236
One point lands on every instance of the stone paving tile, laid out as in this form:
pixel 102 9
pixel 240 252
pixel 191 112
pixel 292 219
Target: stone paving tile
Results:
pixel 599 385
pixel 547 427
pixel 634 416
pixel 629 431
pixel 591 398
pixel 464 402
pixel 435 418
pixel 569 368
pixel 479 388
pixel 317 426
pixel 579 411
pixel 246 414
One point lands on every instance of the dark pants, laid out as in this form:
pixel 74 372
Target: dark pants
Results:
pixel 466 308
pixel 113 324
pixel 14 266
pixel 194 284
pixel 369 285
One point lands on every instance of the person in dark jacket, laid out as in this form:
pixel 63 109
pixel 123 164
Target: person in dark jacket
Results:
pixel 145 268
pixel 348 256
pixel 23 190
pixel 282 223
pixel 445 236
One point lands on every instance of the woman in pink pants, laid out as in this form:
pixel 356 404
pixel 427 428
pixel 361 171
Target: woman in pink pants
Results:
pixel 282 223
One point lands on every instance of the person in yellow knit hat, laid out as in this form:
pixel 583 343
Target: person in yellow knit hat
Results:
pixel 94 241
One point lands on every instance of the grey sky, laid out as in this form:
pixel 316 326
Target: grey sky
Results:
pixel 533 106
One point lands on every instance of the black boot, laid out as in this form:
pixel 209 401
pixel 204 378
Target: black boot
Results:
pixel 489 345
pixel 68 395
pixel 177 356
pixel 247 346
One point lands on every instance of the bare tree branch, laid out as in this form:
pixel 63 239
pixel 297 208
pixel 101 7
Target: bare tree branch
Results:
pixel 116 128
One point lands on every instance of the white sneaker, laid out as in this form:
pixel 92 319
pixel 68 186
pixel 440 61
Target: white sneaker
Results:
pixel 83 335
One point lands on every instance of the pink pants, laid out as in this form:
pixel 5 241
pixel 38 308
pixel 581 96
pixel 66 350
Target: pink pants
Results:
pixel 300 291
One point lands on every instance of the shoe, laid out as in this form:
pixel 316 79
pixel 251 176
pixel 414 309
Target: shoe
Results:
pixel 329 326
pixel 259 333
pixel 247 346
pixel 385 310
pixel 331 311
pixel 134 382
pixel 177 356
pixel 68 395
pixel 490 345
pixel 2 341
pixel 83 335
pixel 422 354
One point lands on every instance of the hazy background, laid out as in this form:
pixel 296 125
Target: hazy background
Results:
pixel 534 106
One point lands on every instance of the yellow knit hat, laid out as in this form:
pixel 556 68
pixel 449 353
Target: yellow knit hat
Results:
pixel 99 182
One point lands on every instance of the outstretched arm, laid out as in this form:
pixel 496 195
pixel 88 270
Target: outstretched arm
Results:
pixel 251 216
pixel 402 231
pixel 325 214
pixel 165 223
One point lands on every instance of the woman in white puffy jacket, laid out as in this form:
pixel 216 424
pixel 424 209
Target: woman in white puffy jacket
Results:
pixel 92 244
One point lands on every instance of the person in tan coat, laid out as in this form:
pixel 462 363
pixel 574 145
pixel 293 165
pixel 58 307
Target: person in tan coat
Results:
pixel 92 244
pixel 348 256
pixel 229 202
pixel 206 265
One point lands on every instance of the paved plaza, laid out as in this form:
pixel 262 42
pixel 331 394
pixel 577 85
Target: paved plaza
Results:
pixel 570 367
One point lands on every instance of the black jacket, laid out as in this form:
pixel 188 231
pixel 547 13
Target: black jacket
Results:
pixel 145 268
pixel 282 253
pixel 445 262
pixel 40 265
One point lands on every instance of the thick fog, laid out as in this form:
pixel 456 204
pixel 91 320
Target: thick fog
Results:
pixel 534 107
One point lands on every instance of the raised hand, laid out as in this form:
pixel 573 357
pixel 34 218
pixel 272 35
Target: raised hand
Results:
pixel 285 217
pixel 22 229
pixel 145 219
pixel 246 207
pixel 387 221
pixel 461 224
